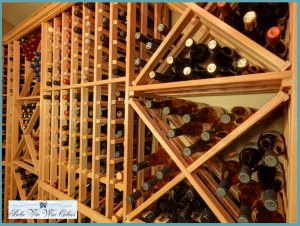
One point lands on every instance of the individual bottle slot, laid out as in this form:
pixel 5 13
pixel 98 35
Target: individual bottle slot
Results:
pixel 119 72
pixel 272 144
pixel 78 13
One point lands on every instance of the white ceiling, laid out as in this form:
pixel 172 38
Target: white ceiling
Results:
pixel 16 13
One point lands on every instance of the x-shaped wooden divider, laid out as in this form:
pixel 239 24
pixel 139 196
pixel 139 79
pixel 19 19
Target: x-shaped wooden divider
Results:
pixel 187 171
pixel 27 141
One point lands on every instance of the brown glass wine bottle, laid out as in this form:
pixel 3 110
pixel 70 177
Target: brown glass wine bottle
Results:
pixel 249 195
pixel 229 177
pixel 192 129
pixel 166 103
pixel 186 108
pixel 272 144
pixel 160 157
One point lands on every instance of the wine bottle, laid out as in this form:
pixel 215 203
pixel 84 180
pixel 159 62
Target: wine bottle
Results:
pixel 178 64
pixel 249 157
pixel 216 71
pixel 275 44
pixel 164 30
pixel 118 215
pixel 242 114
pixel 208 217
pixel 194 71
pixel 222 57
pixel 160 157
pixel 168 76
pixel 272 144
pixel 186 108
pixel 199 52
pixel 194 129
pixel 249 194
pixel 219 132
pixel 166 103
pixel 252 29
pixel 209 114
pixel 118 71
pixel 230 17
pixel 160 207
pixel 199 146
pixel 272 189
pixel 229 177
pixel 138 194
pixel 262 215
pixel 169 171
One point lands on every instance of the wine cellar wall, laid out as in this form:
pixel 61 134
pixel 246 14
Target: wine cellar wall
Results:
pixel 103 103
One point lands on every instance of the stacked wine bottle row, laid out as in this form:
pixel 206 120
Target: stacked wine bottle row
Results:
pixel 259 176
pixel 205 61
pixel 181 204
pixel 29 180
pixel 218 122
pixel 264 23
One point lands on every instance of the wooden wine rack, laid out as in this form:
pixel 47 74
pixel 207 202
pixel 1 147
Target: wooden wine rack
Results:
pixel 279 77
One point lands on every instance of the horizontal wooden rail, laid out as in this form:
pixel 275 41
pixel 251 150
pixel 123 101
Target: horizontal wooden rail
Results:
pixel 92 214
pixel 88 84
pixel 217 82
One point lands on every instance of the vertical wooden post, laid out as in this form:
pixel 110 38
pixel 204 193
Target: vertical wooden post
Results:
pixel 54 103
pixel 130 55
pixel 111 115
pixel 73 107
pixel 83 114
pixel 45 118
